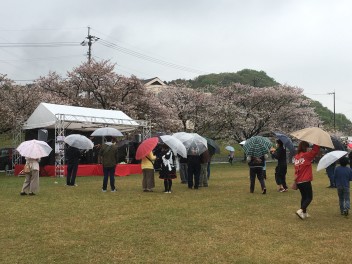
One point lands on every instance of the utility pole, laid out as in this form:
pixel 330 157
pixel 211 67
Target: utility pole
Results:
pixel 91 40
pixel 333 93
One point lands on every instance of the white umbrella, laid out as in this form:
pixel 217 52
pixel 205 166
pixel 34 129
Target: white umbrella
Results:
pixel 175 144
pixel 242 142
pixel 330 158
pixel 107 131
pixel 79 141
pixel 194 143
pixel 34 149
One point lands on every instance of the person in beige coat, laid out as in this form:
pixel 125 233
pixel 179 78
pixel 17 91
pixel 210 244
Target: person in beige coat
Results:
pixel 31 182
pixel 148 182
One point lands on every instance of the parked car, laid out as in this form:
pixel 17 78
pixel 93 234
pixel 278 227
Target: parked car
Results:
pixel 6 158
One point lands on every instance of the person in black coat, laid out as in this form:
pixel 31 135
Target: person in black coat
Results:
pixel 281 168
pixel 193 167
pixel 72 160
pixel 168 167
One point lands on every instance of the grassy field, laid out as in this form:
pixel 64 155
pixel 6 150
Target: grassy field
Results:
pixel 223 223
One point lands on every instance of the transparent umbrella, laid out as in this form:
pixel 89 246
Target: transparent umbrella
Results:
pixel 107 131
pixel 175 144
pixel 79 141
pixel 194 143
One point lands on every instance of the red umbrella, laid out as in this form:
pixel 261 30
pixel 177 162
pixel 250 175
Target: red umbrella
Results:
pixel 146 147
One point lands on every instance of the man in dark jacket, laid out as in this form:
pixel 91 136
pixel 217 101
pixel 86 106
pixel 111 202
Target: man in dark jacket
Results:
pixel 72 159
pixel 108 155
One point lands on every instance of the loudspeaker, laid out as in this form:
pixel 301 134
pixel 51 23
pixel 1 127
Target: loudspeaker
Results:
pixel 43 135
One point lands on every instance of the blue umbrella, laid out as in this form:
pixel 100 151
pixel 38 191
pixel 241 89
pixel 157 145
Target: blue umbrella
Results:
pixel 286 141
pixel 230 148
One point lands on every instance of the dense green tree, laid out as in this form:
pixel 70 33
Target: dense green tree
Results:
pixel 246 77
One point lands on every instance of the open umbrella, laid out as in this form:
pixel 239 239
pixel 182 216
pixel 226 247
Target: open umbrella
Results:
pixel 257 146
pixel 194 143
pixel 230 148
pixel 213 147
pixel 175 144
pixel 242 142
pixel 146 147
pixel 107 131
pixel 314 135
pixel 34 149
pixel 79 141
pixel 286 141
pixel 337 143
pixel 330 158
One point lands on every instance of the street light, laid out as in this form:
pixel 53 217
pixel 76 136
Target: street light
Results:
pixel 333 93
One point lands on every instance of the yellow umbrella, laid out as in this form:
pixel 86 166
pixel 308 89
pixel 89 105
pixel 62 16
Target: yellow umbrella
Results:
pixel 314 135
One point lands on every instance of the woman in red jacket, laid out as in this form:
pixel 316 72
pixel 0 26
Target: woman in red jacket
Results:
pixel 304 175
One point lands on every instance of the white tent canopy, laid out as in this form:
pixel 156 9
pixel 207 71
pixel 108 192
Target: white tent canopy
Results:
pixel 78 118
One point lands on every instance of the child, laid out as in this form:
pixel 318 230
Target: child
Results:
pixel 343 176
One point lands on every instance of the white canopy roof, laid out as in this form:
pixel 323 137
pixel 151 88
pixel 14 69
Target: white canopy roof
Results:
pixel 78 118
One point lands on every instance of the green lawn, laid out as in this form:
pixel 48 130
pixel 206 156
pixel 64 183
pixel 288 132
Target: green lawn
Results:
pixel 223 223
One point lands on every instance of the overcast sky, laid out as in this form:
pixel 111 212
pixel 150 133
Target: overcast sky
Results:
pixel 303 43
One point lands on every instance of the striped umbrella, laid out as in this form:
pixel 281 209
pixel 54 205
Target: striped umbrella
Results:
pixel 257 146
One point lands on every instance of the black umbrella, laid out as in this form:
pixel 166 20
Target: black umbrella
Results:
pixel 213 147
pixel 338 145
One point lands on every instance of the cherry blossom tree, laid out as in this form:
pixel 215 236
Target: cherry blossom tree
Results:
pixel 188 108
pixel 247 111
pixel 18 103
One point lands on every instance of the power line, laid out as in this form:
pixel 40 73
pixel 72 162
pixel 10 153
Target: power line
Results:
pixel 41 45
pixel 148 58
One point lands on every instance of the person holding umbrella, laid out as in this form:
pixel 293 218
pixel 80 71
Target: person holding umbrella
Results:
pixel 343 176
pixel 72 160
pixel 108 155
pixel 256 170
pixel 304 175
pixel 194 167
pixel 281 168
pixel 148 182
pixel 31 182
pixel 33 150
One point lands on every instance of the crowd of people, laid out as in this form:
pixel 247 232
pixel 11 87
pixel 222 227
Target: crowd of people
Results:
pixel 194 171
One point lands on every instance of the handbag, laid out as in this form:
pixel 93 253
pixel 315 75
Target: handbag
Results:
pixel 26 168
pixel 294 186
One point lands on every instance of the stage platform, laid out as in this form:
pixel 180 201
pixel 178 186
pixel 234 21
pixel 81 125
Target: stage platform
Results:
pixel 87 170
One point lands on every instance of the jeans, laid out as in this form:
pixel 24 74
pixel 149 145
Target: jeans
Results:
pixel 109 171
pixel 306 194
pixel 330 171
pixel 344 198
pixel 253 173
